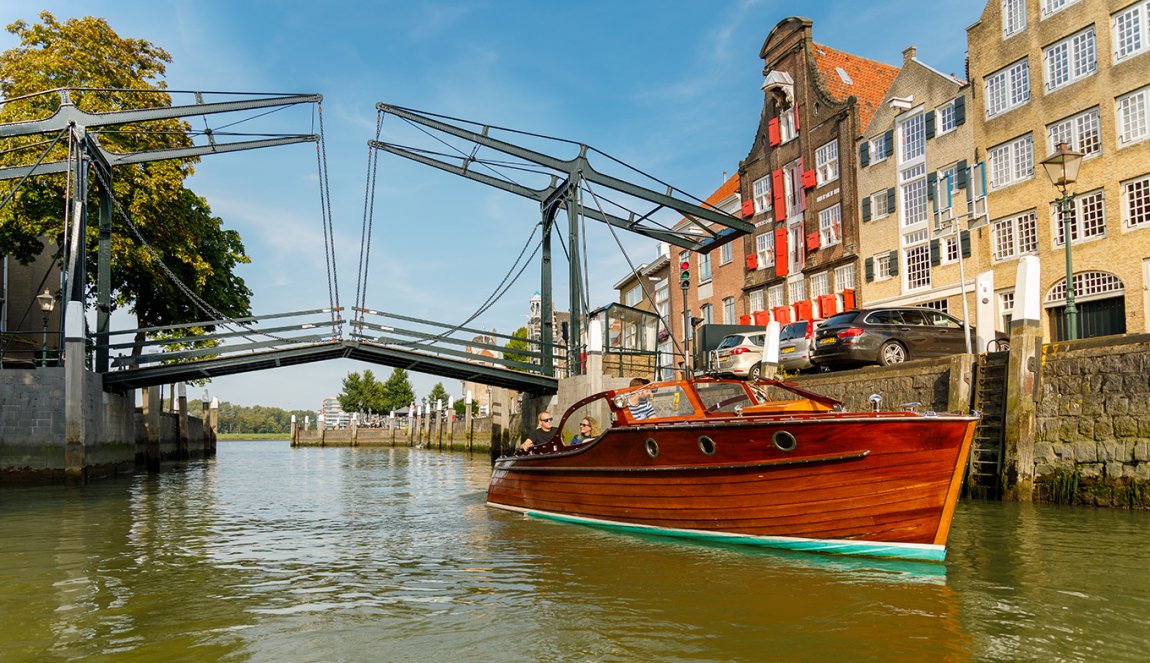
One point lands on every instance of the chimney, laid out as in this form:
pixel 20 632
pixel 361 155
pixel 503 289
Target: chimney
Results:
pixel 909 54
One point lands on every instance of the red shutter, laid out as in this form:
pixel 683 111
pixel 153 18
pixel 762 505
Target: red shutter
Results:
pixel 810 179
pixel 812 241
pixel 752 262
pixel 803 310
pixel 744 320
pixel 827 305
pixel 773 135
pixel 795 110
pixel 779 194
pixel 748 208
pixel 762 318
pixel 781 252
pixel 848 299
pixel 782 314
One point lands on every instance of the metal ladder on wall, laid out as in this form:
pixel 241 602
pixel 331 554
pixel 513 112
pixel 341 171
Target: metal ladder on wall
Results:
pixel 986 453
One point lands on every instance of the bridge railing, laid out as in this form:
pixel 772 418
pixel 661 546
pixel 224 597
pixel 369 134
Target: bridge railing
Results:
pixel 439 338
pixel 188 341
pixel 29 349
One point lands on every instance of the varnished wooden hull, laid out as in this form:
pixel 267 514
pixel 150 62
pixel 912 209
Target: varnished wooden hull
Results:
pixel 873 484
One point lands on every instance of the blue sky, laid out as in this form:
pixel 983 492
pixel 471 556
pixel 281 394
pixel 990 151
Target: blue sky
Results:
pixel 668 86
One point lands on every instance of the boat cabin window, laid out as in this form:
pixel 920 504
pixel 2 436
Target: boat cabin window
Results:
pixel 723 396
pixel 671 401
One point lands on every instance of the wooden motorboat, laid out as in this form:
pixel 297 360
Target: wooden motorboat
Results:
pixel 761 462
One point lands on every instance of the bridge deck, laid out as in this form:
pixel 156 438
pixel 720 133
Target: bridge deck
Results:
pixel 371 353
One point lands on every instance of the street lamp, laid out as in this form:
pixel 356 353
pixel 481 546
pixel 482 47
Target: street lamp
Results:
pixel 47 303
pixel 1062 168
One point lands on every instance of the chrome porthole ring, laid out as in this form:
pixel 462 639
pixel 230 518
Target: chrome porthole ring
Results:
pixel 652 448
pixel 706 445
pixel 784 441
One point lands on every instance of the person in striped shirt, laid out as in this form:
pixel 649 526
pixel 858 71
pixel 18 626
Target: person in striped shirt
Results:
pixel 639 403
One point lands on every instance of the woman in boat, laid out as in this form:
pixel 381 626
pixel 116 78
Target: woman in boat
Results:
pixel 588 430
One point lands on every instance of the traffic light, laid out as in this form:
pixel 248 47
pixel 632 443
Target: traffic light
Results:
pixel 685 274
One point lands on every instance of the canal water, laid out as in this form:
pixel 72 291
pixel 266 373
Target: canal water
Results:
pixel 269 553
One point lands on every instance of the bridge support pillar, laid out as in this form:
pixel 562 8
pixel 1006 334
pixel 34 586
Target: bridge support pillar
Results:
pixel 182 451
pixel 75 398
pixel 152 405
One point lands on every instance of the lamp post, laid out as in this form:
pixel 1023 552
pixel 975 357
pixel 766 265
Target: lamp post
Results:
pixel 1062 169
pixel 47 303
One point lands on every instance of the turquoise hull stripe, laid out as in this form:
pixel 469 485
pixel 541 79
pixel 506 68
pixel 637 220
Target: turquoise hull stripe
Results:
pixel 915 551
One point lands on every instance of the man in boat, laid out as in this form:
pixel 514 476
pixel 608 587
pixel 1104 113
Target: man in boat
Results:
pixel 639 403
pixel 542 434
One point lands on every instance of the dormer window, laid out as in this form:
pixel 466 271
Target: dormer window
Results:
pixel 780 85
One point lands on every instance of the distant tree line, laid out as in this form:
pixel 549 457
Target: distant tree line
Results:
pixel 256 418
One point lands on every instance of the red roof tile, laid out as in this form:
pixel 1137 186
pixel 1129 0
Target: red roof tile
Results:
pixel 869 79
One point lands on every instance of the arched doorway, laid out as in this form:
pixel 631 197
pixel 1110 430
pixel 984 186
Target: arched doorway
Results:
pixel 1101 302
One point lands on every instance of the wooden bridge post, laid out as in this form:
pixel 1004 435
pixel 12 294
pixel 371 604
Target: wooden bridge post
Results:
pixel 182 439
pixel 152 405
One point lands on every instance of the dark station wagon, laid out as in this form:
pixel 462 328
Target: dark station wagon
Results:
pixel 887 336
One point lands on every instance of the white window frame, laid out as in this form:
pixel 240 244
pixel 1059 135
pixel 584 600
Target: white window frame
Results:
pixel 950 250
pixel 827 162
pixel 1013 17
pixel 1008 88
pixel 845 278
pixel 1071 59
pixel 920 268
pixel 1132 111
pixel 1136 192
pixel 704 263
pixel 1072 130
pixel 765 249
pixel 634 295
pixel 913 199
pixel 1097 221
pixel 820 285
pixel 912 138
pixel 882 263
pixel 787 131
pixel 756 300
pixel 726 254
pixel 776 296
pixel 707 312
pixel 729 310
pixel 1052 7
pixel 831 226
pixel 945 120
pixel 875 200
pixel 797 289
pixel 1130 31
pixel 761 190
pixel 1011 162
pixel 1006 307
pixel 878 151
pixel 1014 236
pixel 796 246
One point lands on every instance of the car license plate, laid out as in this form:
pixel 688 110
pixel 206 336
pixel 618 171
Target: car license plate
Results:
pixel 829 340
pixel 786 350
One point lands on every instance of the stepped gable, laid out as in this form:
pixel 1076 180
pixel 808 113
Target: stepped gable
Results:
pixel 869 80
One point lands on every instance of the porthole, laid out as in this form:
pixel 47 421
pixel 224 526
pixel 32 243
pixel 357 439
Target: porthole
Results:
pixel 784 441
pixel 652 448
pixel 707 445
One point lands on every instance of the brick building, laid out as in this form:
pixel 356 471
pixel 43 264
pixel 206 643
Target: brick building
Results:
pixel 798 181
pixel 914 162
pixel 1076 71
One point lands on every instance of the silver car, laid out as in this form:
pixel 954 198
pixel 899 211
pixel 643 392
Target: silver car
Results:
pixel 739 355
pixel 796 343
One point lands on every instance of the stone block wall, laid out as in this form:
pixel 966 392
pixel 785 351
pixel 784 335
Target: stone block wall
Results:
pixel 1093 427
pixel 925 381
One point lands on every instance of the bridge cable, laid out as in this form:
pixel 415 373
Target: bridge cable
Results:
pixel 366 228
pixel 642 283
pixel 328 230
pixel 32 170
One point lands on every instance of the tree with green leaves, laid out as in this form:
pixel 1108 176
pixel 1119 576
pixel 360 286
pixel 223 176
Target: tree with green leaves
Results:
pixel 518 342
pixel 107 72
pixel 362 394
pixel 397 391
pixel 438 393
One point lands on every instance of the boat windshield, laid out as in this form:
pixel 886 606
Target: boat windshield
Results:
pixel 723 396
pixel 670 401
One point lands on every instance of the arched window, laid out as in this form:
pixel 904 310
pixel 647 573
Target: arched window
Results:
pixel 1087 286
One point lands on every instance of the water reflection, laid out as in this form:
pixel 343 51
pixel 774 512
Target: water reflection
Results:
pixel 271 553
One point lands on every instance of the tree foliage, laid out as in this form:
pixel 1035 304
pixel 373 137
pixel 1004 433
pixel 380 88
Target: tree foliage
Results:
pixel 115 73
pixel 256 419
pixel 364 393
pixel 518 342
pixel 438 394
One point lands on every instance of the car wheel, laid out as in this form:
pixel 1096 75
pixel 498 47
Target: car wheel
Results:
pixel 755 372
pixel 891 352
